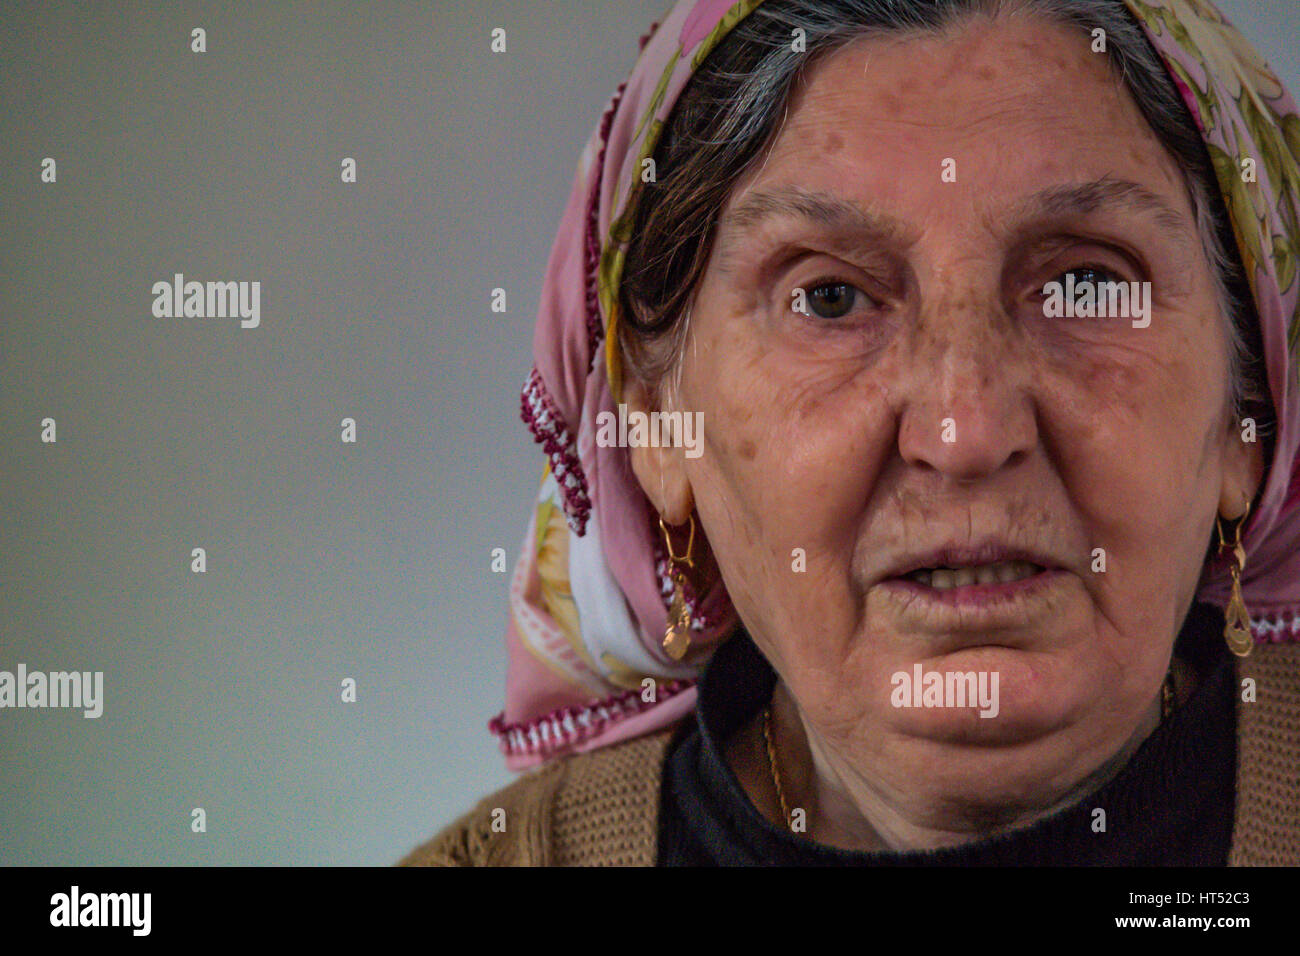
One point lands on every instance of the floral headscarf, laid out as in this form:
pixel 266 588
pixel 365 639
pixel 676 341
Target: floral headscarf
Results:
pixel 590 592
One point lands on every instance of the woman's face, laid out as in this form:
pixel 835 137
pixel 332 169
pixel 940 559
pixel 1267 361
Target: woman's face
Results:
pixel 928 413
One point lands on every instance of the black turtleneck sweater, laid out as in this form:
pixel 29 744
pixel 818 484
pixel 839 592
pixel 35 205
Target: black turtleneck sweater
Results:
pixel 1171 804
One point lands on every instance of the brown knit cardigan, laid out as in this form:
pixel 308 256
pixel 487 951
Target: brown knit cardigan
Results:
pixel 602 808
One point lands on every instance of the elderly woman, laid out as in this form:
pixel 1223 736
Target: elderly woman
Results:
pixel 986 548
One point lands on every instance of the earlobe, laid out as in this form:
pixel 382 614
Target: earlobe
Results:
pixel 1242 475
pixel 660 470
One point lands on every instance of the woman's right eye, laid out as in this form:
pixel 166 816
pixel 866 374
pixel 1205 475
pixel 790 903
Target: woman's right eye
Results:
pixel 831 300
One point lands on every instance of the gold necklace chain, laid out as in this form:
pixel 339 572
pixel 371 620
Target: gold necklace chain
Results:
pixel 1166 708
pixel 771 759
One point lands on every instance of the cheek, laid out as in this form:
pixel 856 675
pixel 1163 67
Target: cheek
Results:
pixel 1133 436
pixel 791 453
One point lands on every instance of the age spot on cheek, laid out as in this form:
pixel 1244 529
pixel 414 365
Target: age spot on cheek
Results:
pixel 1116 388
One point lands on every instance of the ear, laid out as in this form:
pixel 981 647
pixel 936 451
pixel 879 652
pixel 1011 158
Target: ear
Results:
pixel 1243 471
pixel 661 471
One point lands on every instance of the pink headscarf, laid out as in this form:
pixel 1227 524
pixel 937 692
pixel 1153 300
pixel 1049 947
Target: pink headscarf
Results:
pixel 589 595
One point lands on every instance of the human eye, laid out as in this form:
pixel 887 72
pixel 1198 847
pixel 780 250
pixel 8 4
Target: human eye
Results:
pixel 830 298
pixel 1090 274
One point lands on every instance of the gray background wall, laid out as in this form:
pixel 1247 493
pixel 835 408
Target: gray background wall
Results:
pixel 325 560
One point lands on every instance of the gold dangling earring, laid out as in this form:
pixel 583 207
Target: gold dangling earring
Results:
pixel 1236 629
pixel 677 638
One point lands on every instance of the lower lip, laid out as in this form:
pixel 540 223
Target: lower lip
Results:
pixel 978 595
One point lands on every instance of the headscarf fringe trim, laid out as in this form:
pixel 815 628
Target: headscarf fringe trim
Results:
pixel 566 727
pixel 544 421
pixel 1284 628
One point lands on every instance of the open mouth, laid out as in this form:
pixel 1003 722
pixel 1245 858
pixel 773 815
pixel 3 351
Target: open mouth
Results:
pixel 999 572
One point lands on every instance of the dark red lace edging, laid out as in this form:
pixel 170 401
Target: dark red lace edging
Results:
pixel 565 727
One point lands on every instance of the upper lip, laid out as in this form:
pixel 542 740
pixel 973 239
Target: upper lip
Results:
pixel 966 555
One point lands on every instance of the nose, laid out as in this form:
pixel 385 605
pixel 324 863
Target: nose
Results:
pixel 968 408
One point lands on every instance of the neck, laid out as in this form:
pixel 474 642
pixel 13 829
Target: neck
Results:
pixel 848 806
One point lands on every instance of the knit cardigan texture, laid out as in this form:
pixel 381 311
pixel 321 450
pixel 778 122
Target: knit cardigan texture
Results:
pixel 602 808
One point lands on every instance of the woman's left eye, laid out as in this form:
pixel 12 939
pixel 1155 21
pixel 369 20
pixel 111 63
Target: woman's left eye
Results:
pixel 1092 275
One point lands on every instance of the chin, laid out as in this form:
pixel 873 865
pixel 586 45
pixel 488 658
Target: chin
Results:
pixel 986 696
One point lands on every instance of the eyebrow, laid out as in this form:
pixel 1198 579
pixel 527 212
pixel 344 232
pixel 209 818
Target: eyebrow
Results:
pixel 844 217
pixel 832 214
pixel 1086 198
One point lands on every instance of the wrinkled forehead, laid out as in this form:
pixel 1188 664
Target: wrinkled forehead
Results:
pixel 873 149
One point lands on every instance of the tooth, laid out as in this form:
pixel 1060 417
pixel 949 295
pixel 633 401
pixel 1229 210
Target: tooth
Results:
pixel 963 577
pixel 1006 572
pixel 986 574
pixel 941 578
pixel 922 577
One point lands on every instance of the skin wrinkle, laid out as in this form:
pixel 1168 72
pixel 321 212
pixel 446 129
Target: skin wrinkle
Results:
pixel 1105 200
pixel 1071 434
